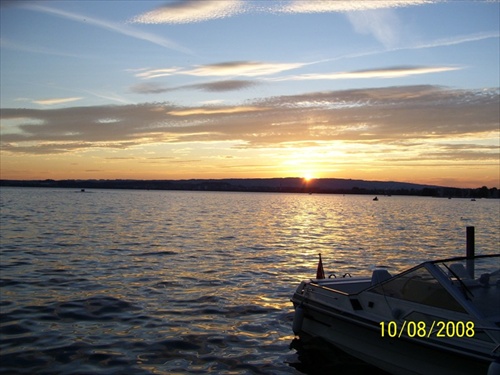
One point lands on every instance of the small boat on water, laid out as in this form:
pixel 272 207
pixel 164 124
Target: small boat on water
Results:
pixel 440 317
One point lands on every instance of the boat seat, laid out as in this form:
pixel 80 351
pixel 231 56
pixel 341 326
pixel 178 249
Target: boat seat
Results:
pixel 380 275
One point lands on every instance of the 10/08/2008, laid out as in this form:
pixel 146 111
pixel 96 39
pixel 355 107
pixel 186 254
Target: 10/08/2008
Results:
pixel 422 330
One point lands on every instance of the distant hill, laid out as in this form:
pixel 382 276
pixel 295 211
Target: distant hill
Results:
pixel 284 185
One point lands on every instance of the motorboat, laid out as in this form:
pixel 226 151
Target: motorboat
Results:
pixel 439 317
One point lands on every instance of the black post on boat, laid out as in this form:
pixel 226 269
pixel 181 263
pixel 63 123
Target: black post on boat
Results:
pixel 470 250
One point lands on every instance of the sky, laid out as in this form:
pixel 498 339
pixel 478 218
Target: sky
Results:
pixel 401 90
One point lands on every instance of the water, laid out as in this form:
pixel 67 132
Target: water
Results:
pixel 162 282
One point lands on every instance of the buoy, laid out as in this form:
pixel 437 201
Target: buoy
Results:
pixel 298 318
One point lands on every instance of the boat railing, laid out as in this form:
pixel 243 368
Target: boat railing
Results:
pixel 345 286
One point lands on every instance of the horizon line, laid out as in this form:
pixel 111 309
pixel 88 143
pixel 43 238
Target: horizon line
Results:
pixel 308 180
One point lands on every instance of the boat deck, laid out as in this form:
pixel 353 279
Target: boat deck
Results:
pixel 345 285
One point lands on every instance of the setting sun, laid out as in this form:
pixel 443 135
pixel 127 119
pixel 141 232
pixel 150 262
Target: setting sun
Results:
pixel 308 176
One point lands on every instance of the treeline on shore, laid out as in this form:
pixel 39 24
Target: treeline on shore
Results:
pixel 285 185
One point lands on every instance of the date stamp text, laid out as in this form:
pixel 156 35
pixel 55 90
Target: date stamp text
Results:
pixel 423 329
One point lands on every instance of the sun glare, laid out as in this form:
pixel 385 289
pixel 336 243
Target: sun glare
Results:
pixel 308 176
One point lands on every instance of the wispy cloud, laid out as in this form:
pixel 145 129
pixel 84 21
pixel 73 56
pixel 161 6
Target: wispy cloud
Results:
pixel 436 43
pixel 54 101
pixel 228 70
pixel 255 69
pixel 191 11
pixel 108 25
pixel 226 85
pixel 413 115
pixel 188 11
pixel 328 6
pixel 242 68
pixel 217 86
pixel 156 73
pixel 459 39
pixel 383 24
pixel 148 88
pixel 390 72
pixel 375 17
pixel 251 69
pixel 114 97
pixel 13 45
pixel 224 69
pixel 214 111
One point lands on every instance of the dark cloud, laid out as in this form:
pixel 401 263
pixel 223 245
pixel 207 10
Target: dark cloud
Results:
pixel 229 85
pixel 148 88
pixel 217 86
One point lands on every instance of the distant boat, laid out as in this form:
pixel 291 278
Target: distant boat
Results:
pixel 82 190
pixel 375 199
pixel 473 199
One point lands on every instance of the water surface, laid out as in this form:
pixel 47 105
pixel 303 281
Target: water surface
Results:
pixel 163 282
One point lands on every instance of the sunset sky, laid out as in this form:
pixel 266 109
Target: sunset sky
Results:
pixel 401 90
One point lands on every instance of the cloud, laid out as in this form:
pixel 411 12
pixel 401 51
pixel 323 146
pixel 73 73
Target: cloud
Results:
pixel 227 85
pixel 191 11
pixel 459 39
pixel 217 86
pixel 242 68
pixel 10 44
pixel 487 154
pixel 443 42
pixel 148 88
pixel 328 6
pixel 224 69
pixel 257 69
pixel 212 111
pixel 54 101
pixel 108 25
pixel 383 24
pixel 390 72
pixel 156 73
pixel 413 115
pixel 374 17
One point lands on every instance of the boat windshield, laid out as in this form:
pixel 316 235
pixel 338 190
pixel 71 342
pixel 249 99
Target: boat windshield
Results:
pixel 420 286
pixel 478 279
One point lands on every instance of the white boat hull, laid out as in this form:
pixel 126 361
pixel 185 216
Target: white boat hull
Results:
pixel 350 313
pixel 396 356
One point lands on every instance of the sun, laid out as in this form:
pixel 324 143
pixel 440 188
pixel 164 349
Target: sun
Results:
pixel 308 176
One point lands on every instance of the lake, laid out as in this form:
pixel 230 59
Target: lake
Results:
pixel 172 282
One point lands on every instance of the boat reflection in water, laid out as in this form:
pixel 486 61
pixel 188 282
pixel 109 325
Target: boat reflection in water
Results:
pixel 440 317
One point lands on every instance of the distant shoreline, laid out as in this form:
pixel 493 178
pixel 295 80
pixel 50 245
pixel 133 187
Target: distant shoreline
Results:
pixel 274 185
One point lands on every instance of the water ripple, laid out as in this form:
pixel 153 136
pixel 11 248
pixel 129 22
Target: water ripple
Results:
pixel 148 282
